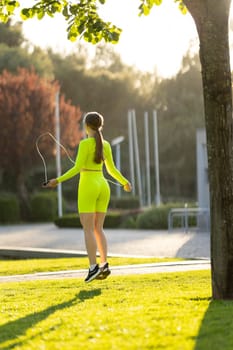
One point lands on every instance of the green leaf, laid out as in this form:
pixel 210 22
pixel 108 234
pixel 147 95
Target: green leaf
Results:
pixel 81 28
pixel 73 9
pixel 158 2
pixel 10 8
pixel 146 10
pixel 98 26
pixel 24 14
pixel 94 40
pixel 72 33
pixel 65 11
pixel 50 13
pixel 115 37
pixel 23 17
pixel 40 14
pixel 87 36
pixel 3 18
pixel 183 8
pixel 56 7
pixel 72 37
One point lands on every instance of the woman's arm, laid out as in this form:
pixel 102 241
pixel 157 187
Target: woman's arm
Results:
pixel 111 168
pixel 80 160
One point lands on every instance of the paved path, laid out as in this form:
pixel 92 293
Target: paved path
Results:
pixel 188 265
pixel 120 241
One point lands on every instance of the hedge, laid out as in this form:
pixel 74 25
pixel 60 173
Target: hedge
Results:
pixel 68 220
pixel 44 206
pixel 157 217
pixel 9 208
pixel 127 202
pixel 113 219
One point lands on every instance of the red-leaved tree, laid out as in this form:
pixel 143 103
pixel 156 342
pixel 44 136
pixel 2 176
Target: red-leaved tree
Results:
pixel 27 110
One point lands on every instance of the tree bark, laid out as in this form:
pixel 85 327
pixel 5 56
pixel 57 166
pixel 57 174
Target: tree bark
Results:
pixel 211 18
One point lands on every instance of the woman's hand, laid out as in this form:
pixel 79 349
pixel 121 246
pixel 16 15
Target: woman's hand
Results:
pixel 51 184
pixel 128 187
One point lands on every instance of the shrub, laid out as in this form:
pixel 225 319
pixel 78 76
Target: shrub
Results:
pixel 69 191
pixel 44 206
pixel 124 203
pixel 128 222
pixel 154 218
pixel 9 208
pixel 68 220
pixel 157 217
pixel 113 219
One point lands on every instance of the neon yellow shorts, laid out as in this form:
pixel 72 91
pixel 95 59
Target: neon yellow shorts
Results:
pixel 93 192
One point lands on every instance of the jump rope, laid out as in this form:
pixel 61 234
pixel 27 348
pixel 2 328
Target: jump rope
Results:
pixel 66 152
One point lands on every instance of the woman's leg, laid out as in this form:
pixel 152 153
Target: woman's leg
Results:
pixel 101 209
pixel 88 222
pixel 100 236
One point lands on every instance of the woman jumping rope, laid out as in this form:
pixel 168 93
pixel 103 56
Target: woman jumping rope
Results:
pixel 93 191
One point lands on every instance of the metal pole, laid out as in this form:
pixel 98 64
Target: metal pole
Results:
pixel 137 158
pixel 147 151
pixel 131 157
pixel 58 153
pixel 157 182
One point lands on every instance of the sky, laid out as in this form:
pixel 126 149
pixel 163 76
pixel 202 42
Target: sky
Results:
pixel 151 43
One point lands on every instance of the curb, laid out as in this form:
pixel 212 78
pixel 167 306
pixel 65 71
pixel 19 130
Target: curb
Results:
pixel 30 253
pixel 39 253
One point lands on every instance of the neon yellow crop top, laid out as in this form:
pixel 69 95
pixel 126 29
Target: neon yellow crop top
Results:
pixel 85 160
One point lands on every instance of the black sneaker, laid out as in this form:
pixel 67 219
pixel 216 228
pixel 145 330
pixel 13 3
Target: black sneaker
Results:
pixel 92 274
pixel 104 272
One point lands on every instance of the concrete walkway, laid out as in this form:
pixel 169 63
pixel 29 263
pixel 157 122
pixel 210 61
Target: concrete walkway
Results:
pixel 120 241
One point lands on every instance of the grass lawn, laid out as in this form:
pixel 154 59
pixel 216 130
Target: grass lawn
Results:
pixel 14 267
pixel 167 311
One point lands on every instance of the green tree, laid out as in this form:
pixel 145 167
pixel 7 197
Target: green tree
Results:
pixel 107 59
pixel 112 91
pixel 16 52
pixel 12 58
pixel 211 18
pixel 180 108
pixel 11 35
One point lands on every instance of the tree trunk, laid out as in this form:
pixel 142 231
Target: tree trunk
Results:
pixel 211 18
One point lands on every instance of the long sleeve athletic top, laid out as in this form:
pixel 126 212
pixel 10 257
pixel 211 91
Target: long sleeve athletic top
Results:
pixel 85 160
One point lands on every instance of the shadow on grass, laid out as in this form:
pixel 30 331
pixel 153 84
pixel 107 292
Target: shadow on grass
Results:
pixel 216 331
pixel 14 329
